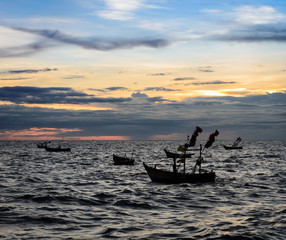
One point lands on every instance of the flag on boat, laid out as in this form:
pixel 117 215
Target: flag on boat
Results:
pixel 192 142
pixel 237 141
pixel 211 139
pixel 181 148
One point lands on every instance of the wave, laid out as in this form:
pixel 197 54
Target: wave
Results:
pixel 132 204
pixel 62 199
pixel 82 195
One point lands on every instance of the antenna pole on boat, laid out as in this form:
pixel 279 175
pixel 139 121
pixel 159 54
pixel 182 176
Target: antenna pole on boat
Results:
pixel 200 167
pixel 174 165
pixel 199 160
pixel 184 159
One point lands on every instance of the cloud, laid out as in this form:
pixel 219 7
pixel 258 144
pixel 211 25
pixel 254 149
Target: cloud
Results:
pixel 139 95
pixel 34 132
pixel 53 95
pixel 212 83
pixel 251 24
pixel 158 99
pixel 122 10
pixel 262 116
pixel 158 74
pixel 95 43
pixel 110 89
pixel 257 15
pixel 184 78
pixel 160 89
pixel 206 69
pixel 13 79
pixel 29 71
pixel 74 77
pixel 116 88
pixel 256 33
pixel 24 50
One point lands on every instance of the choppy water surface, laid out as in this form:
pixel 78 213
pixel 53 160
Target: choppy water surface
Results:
pixel 82 195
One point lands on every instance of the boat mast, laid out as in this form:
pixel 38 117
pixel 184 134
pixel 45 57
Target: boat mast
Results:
pixel 200 161
pixel 184 159
pixel 174 165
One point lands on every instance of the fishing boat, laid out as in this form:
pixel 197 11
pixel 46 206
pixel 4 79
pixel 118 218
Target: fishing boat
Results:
pixel 234 145
pixel 57 149
pixel 165 176
pixel 118 160
pixel 231 148
pixel 176 155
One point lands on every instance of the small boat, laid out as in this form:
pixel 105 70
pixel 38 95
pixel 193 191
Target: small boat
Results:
pixel 164 176
pixel 118 160
pixel 176 155
pixel 231 147
pixel 234 145
pixel 57 149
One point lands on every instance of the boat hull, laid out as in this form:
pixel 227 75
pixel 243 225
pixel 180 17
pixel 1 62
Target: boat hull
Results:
pixel 117 160
pixel 57 149
pixel 231 148
pixel 163 176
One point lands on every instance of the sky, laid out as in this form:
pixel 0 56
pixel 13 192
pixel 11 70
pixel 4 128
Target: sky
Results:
pixel 142 69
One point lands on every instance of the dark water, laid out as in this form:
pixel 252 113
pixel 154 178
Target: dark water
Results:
pixel 82 195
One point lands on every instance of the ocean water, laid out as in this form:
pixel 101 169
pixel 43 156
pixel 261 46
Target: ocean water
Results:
pixel 82 195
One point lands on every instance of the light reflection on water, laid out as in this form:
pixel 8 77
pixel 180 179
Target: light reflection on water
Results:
pixel 82 195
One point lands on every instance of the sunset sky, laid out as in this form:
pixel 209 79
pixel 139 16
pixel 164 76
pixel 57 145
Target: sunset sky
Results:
pixel 140 69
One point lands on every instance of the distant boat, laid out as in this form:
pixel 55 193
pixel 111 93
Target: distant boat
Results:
pixel 231 148
pixel 118 160
pixel 176 155
pixel 57 149
pixel 234 145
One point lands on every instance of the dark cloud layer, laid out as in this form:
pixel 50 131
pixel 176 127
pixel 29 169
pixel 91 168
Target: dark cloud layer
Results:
pixel 184 78
pixel 257 33
pixel 212 83
pixel 162 89
pixel 260 116
pixel 13 79
pixel 116 88
pixel 53 38
pixel 59 95
pixel 94 43
pixel 109 89
pixel 29 71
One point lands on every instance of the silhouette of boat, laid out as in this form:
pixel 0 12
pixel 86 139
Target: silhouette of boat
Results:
pixel 231 148
pixel 118 160
pixel 234 145
pixel 57 149
pixel 164 176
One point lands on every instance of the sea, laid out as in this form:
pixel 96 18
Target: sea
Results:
pixel 82 195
